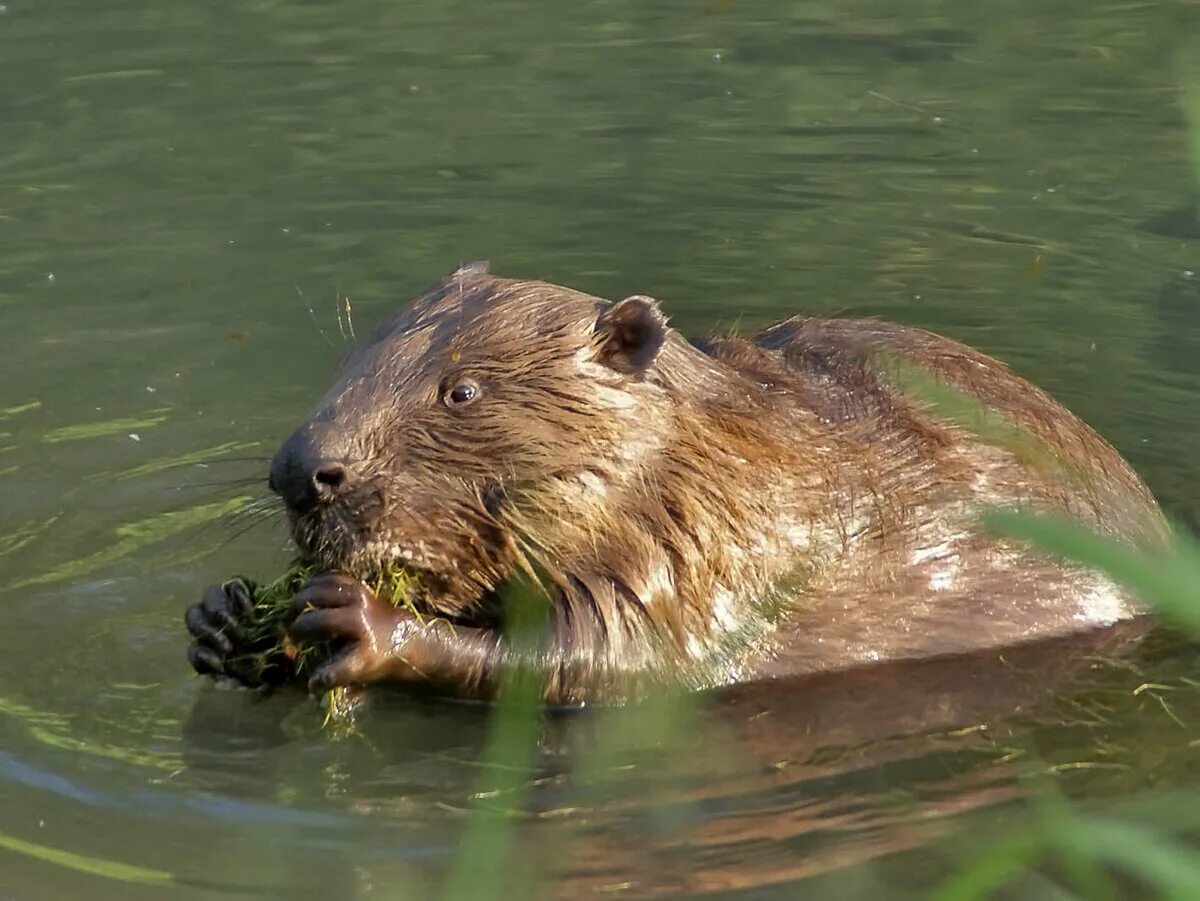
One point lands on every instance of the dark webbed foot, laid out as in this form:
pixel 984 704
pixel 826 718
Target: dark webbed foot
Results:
pixel 225 643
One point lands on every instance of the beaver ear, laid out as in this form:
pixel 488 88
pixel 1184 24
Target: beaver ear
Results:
pixel 631 333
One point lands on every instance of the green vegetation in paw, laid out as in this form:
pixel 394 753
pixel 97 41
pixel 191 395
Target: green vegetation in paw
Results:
pixel 266 633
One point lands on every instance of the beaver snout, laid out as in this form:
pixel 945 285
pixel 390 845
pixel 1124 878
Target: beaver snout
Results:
pixel 308 470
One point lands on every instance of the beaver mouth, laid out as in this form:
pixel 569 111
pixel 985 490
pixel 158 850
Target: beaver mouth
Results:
pixel 380 558
pixel 367 560
pixel 435 557
pixel 332 542
pixel 329 542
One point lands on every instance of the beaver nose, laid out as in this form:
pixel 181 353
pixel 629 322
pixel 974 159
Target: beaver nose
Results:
pixel 305 472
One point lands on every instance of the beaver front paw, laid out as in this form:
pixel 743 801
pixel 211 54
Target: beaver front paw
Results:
pixel 225 644
pixel 338 608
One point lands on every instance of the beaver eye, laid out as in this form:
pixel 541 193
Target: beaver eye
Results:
pixel 462 393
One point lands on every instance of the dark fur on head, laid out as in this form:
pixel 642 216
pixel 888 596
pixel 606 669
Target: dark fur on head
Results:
pixel 564 417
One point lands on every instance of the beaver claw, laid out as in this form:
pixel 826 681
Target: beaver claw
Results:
pixel 337 607
pixel 222 647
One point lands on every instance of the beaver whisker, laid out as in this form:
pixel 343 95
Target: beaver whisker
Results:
pixel 249 514
pixel 246 526
pixel 225 527
pixel 252 510
pixel 211 461
pixel 246 482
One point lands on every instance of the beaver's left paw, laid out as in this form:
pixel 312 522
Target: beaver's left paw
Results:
pixel 336 607
pixel 226 644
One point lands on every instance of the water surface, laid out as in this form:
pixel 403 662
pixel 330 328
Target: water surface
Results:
pixel 189 192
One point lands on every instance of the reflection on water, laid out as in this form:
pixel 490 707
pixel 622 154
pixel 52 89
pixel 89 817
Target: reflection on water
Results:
pixel 186 191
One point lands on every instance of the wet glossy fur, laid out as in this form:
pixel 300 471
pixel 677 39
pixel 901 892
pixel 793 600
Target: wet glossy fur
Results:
pixel 729 509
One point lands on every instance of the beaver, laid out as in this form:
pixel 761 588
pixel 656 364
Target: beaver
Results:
pixel 695 513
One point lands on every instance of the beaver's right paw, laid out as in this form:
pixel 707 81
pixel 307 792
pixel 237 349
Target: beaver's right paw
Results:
pixel 222 646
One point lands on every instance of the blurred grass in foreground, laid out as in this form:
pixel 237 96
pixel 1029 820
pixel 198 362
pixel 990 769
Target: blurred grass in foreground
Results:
pixel 1097 854
pixel 1169 579
pixel 488 864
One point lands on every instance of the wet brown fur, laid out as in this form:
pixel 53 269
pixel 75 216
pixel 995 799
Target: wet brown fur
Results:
pixel 732 509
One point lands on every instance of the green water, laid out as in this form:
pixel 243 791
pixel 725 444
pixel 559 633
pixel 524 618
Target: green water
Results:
pixel 187 188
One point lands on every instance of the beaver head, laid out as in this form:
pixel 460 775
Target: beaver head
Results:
pixel 468 421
